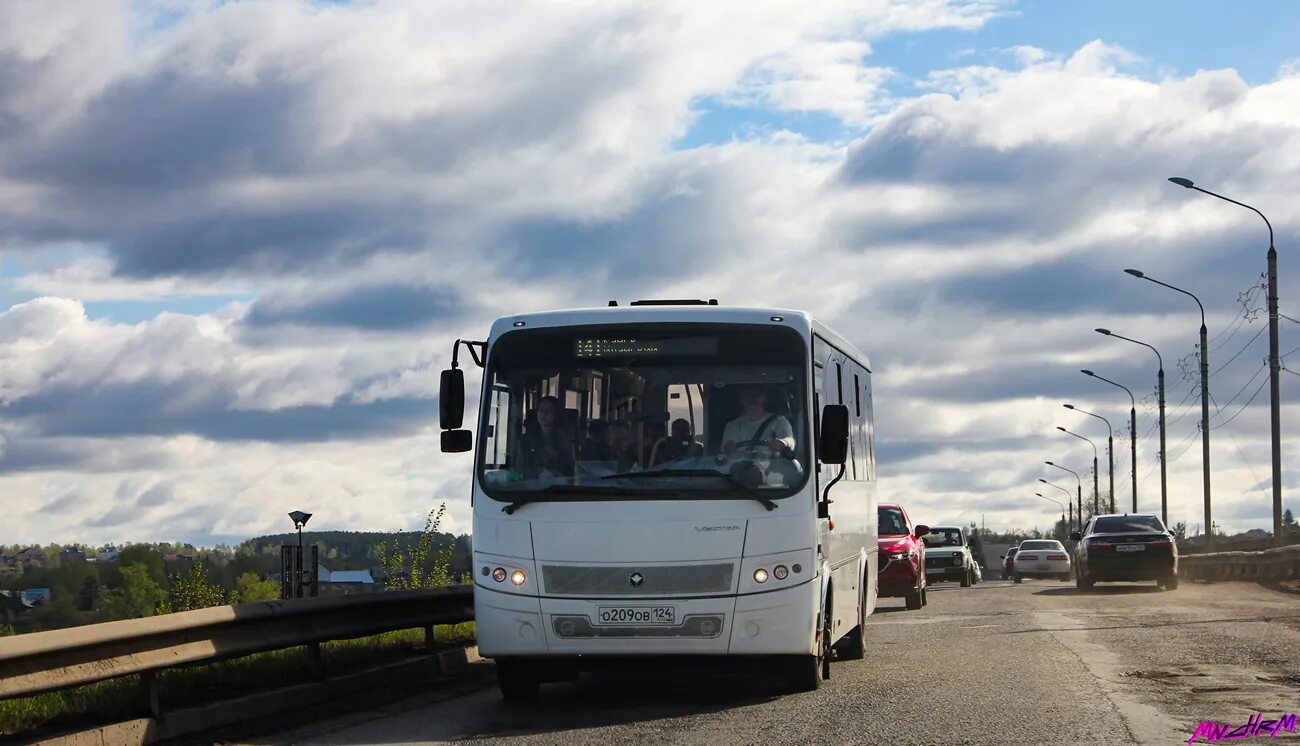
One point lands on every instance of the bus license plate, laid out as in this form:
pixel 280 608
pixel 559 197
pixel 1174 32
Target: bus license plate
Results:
pixel 638 615
pixel 1130 548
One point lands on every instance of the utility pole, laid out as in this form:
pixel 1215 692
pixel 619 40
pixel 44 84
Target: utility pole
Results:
pixel 1274 367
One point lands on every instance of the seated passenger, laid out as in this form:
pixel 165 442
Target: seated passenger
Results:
pixel 757 428
pixel 546 450
pixel 622 446
pixel 681 444
pixel 596 445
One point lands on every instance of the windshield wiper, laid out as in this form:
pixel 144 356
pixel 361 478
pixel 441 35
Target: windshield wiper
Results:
pixel 579 489
pixel 662 473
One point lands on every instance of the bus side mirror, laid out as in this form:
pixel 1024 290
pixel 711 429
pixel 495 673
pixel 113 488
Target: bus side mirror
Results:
pixel 833 445
pixel 920 530
pixel 1076 536
pixel 451 399
pixel 457 441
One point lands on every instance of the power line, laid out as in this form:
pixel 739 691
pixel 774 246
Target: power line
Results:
pixel 1237 445
pixel 1243 349
pixel 1242 389
pixel 1262 384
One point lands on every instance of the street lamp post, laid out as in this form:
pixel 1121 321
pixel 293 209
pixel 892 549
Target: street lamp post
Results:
pixel 1205 402
pixel 1058 502
pixel 1160 399
pixel 299 519
pixel 1078 487
pixel 1274 360
pixel 1110 453
pixel 1095 508
pixel 1132 430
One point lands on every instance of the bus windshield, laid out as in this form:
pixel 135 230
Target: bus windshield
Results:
pixel 634 411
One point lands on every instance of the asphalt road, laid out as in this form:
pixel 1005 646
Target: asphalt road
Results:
pixel 1035 663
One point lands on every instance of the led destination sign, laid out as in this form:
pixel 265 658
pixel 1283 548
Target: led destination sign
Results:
pixel 589 347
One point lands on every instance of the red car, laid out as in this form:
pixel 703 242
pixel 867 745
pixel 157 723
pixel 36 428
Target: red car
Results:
pixel 902 556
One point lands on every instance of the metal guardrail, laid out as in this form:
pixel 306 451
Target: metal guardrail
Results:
pixel 58 659
pixel 1282 563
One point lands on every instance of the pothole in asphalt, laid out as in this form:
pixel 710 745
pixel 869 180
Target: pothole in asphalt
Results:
pixel 1158 675
pixel 1211 689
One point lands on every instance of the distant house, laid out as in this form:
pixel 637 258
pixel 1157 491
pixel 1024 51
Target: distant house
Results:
pixel 13 603
pixel 72 553
pixel 36 596
pixel 27 598
pixel 345 581
pixel 107 554
pixel 31 556
pixel 169 558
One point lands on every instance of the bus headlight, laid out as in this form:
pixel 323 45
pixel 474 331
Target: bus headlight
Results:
pixel 779 572
pixel 760 575
pixel 518 577
pixel 499 574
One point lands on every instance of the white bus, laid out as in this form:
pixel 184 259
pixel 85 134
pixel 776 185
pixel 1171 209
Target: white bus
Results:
pixel 669 478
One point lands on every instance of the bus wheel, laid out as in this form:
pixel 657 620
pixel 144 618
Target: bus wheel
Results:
pixel 806 672
pixel 854 645
pixel 518 680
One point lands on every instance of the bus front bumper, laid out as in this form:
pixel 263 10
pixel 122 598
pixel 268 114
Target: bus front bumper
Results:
pixel 774 623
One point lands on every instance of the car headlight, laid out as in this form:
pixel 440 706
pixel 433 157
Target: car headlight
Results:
pixel 906 554
pixel 956 561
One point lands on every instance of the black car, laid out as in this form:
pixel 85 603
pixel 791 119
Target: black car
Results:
pixel 1132 546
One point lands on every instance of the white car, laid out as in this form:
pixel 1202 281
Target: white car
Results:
pixel 1041 558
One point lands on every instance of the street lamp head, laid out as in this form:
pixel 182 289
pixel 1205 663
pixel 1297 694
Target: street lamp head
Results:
pixel 1049 463
pixel 1102 331
pixel 1039 493
pixel 1087 372
pixel 1058 427
pixel 1135 272
pixel 1068 406
pixel 1180 181
pixel 299 518
pixel 1044 481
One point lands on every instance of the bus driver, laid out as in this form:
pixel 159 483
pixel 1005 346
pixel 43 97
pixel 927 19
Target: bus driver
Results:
pixel 757 428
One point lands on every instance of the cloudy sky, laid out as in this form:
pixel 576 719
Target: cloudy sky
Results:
pixel 236 238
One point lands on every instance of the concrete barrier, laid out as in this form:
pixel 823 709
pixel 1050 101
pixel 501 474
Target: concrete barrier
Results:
pixel 1281 563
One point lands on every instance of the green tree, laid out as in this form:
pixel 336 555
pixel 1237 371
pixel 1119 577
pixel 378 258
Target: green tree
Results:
pixel 1288 523
pixel 250 588
pixel 1180 530
pixel 136 554
pixel 139 595
pixel 193 590
pixel 417 565
pixel 88 596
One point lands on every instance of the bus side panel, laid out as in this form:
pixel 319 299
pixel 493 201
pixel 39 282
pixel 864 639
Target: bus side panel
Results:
pixel 850 546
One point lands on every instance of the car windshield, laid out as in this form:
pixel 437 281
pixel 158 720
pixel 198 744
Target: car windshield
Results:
pixel 943 537
pixel 890 522
pixel 1042 545
pixel 1117 524
pixel 665 409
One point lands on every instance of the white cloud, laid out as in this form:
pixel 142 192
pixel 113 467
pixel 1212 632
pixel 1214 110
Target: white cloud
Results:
pixel 346 164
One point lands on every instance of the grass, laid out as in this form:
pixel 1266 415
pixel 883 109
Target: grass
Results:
pixel 121 699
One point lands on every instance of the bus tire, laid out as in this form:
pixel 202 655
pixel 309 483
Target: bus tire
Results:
pixel 806 672
pixel 518 680
pixel 915 600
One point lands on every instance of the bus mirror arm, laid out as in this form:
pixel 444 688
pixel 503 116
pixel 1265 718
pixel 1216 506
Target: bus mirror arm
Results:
pixel 477 351
pixel 824 507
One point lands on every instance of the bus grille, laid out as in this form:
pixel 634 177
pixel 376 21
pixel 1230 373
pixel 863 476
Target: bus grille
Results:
pixel 701 626
pixel 630 580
